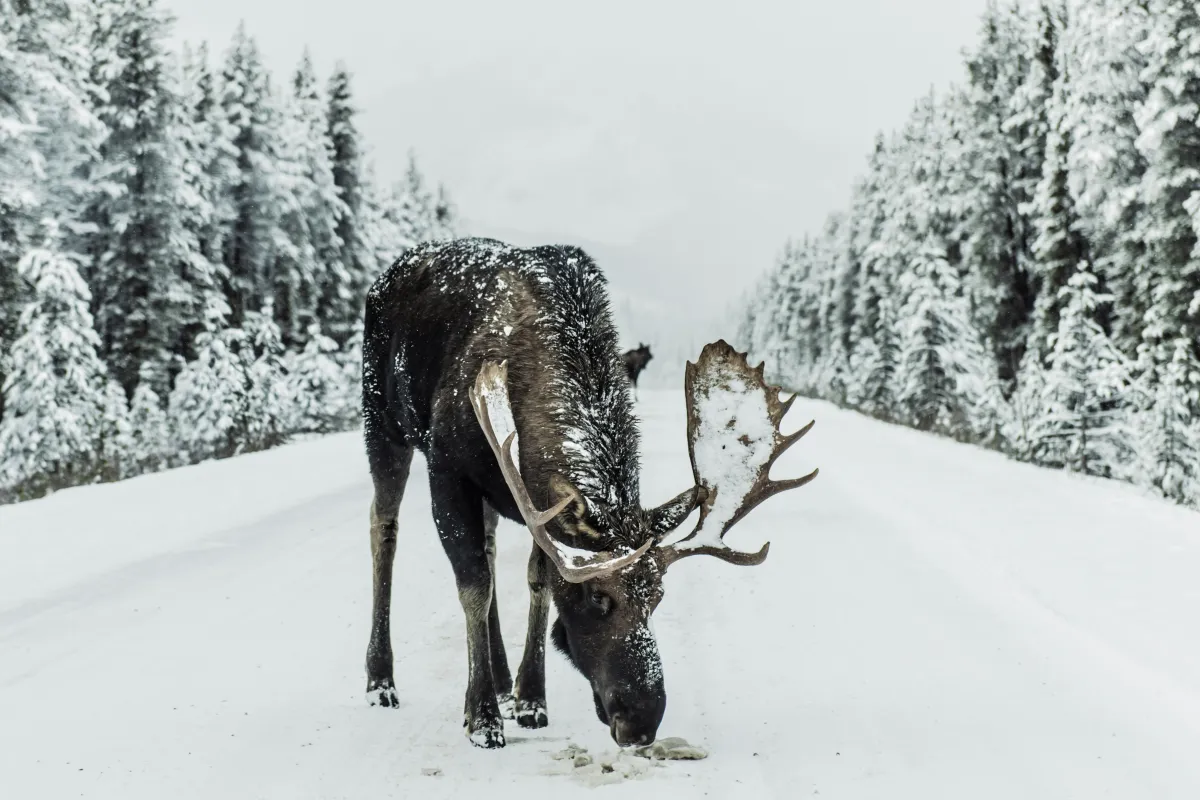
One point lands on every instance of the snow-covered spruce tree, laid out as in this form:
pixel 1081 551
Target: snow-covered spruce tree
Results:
pixel 839 265
pixel 874 361
pixel 795 336
pixel 761 309
pixel 150 432
pixel 995 235
pixel 234 397
pixel 54 427
pixel 340 301
pixel 1060 245
pixel 1101 51
pixel 117 443
pixel 943 374
pixel 317 382
pixel 940 353
pixel 47 130
pixel 873 340
pixel 209 169
pixel 416 211
pixel 1084 424
pixel 1029 121
pixel 1022 414
pixel 1169 122
pixel 294 268
pixel 270 411
pixel 1168 430
pixel 209 405
pixel 252 193
pixel 139 246
pixel 320 204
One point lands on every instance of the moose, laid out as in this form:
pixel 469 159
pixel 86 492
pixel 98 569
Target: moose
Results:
pixel 500 364
pixel 636 361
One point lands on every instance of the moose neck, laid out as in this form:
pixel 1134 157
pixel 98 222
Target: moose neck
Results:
pixel 577 408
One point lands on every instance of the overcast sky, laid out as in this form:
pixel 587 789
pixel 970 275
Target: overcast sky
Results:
pixel 681 142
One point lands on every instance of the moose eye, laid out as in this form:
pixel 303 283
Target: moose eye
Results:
pixel 599 601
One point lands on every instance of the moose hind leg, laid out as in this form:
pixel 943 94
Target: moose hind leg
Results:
pixel 389 470
pixel 501 676
pixel 458 514
pixel 531 676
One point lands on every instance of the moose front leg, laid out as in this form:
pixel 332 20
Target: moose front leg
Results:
pixel 501 675
pixel 531 676
pixel 458 514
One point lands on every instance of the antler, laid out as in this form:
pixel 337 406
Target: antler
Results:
pixel 489 398
pixel 733 440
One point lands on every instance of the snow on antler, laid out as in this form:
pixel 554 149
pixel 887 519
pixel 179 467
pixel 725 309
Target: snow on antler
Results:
pixel 733 440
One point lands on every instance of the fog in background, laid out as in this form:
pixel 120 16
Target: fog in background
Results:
pixel 680 144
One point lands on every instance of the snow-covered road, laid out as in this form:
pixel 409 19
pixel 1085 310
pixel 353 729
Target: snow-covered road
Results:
pixel 933 622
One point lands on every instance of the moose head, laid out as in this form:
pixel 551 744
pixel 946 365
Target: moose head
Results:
pixel 609 561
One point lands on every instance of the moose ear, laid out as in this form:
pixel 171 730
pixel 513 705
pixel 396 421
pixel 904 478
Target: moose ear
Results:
pixel 671 514
pixel 563 489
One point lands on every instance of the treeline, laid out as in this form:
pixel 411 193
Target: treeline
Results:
pixel 1019 265
pixel 184 246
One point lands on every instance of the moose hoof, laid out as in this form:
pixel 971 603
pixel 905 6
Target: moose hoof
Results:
pixel 488 735
pixel 531 714
pixel 507 705
pixel 382 693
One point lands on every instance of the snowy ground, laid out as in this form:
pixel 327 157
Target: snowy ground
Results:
pixel 933 622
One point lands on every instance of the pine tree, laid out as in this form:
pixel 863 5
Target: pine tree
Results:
pixel 53 431
pixel 795 336
pixel 1168 440
pixel 253 192
pixel 416 213
pixel 939 348
pixel 208 405
pixel 873 340
pixel 1060 245
pixel 294 266
pixel 270 410
pixel 996 238
pixel 842 268
pixel 1084 423
pixel 46 131
pixel 1169 122
pixel 1104 165
pixel 874 362
pixel 341 301
pixel 1031 107
pixel 317 384
pixel 209 170
pixel 150 432
pixel 117 441
pixel 139 244
pixel 319 201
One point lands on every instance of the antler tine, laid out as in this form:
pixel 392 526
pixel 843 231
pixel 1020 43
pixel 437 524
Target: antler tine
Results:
pixel 785 406
pixel 733 440
pixel 787 441
pixel 575 566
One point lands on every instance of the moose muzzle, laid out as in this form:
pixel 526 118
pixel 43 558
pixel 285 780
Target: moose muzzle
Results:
pixel 632 715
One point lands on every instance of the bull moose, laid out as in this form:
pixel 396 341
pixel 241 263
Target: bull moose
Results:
pixel 501 365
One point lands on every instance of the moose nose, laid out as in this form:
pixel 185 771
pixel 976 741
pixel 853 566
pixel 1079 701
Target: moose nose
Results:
pixel 626 731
